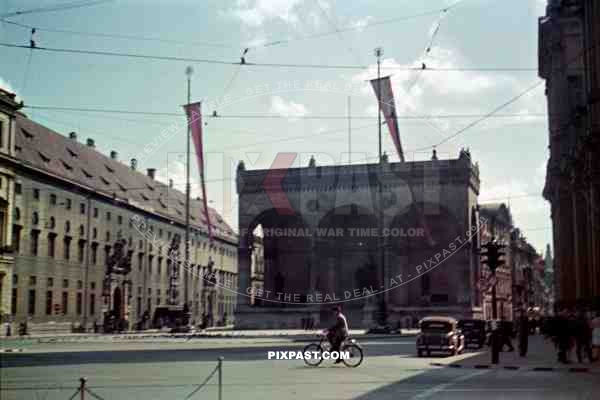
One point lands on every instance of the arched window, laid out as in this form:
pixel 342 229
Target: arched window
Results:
pixel 17 214
pixel 81 230
pixel 35 218
pixel 67 227
pixel 52 223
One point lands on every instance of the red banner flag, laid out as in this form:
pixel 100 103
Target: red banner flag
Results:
pixel 388 109
pixel 194 115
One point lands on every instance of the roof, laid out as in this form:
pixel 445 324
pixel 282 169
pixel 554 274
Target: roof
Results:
pixel 52 152
pixel 499 210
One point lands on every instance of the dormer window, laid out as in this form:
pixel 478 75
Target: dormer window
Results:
pixel 67 166
pixel 87 174
pixel 28 135
pixel 144 196
pixel 150 187
pixel 104 180
pixel 44 157
pixel 109 169
pixel 72 153
pixel 123 188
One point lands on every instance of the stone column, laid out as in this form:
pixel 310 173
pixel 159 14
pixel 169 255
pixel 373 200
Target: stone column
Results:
pixel 580 241
pixel 244 265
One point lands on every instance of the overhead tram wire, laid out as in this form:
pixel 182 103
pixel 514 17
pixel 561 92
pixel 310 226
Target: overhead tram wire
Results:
pixel 271 43
pixel 271 116
pixel 58 7
pixel 249 64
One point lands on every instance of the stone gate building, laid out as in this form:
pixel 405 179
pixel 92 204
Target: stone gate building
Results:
pixel 330 237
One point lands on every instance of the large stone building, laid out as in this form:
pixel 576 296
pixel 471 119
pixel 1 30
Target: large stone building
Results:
pixel 327 241
pixel 69 207
pixel 569 61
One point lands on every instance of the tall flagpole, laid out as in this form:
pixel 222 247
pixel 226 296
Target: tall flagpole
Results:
pixel 188 71
pixel 382 303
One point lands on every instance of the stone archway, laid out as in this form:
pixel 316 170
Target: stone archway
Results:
pixel 415 238
pixel 346 251
pixel 287 253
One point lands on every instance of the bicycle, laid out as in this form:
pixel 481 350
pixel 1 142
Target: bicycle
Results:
pixel 349 345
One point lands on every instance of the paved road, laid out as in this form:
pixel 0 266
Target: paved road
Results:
pixel 172 370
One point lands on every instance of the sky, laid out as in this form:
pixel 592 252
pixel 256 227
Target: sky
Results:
pixel 488 38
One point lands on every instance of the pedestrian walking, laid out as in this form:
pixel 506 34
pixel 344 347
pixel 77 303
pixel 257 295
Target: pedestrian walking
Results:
pixel 583 337
pixel 505 335
pixel 523 334
pixel 563 338
pixel 596 336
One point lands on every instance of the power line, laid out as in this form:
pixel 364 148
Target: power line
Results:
pixel 60 7
pixel 249 64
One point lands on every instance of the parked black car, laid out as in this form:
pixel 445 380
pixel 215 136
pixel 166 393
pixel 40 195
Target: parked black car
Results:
pixel 439 334
pixel 474 331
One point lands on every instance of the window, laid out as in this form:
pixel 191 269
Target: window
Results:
pixel 65 283
pixel 108 236
pixel 159 266
pixel 31 302
pixel 92 304
pixel 52 199
pixel 81 251
pixel 67 248
pixel 78 304
pixel 51 223
pixel 17 214
pixel 16 238
pixel 32 281
pixel 81 230
pixel 34 239
pixel 93 285
pixel 140 261
pixel 149 308
pixel 49 302
pixel 120 219
pixel 79 285
pixel 35 218
pixel 94 253
pixel 94 233
pixel 68 204
pixel 67 226
pixel 18 188
pixel 95 212
pixel 107 252
pixel 108 215
pixel 13 302
pixel 65 303
pixel 36 194
pixel 141 244
pixel 138 307
pixel 51 243
pixel 150 259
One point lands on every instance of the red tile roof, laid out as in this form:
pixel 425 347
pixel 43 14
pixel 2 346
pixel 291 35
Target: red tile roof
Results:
pixel 50 151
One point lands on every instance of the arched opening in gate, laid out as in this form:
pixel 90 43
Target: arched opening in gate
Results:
pixel 415 240
pixel 280 262
pixel 347 254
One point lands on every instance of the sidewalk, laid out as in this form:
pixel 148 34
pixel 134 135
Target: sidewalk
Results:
pixel 541 356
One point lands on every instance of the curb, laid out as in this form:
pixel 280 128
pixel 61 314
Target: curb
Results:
pixel 516 367
pixel 11 350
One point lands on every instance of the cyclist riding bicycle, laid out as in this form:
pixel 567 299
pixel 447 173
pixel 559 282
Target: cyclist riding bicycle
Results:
pixel 339 332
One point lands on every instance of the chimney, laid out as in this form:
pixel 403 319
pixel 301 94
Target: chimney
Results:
pixel 170 183
pixel 151 173
pixel 73 136
pixel 114 155
pixel 90 143
pixel 133 164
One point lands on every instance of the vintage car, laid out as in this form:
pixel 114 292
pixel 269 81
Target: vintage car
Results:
pixel 440 335
pixel 474 331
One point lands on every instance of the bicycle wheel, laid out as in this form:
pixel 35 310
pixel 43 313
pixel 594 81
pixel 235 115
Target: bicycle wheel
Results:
pixel 356 356
pixel 316 356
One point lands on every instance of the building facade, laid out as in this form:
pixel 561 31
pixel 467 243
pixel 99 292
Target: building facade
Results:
pixel 569 61
pixel 322 243
pixel 499 226
pixel 74 209
pixel 8 109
